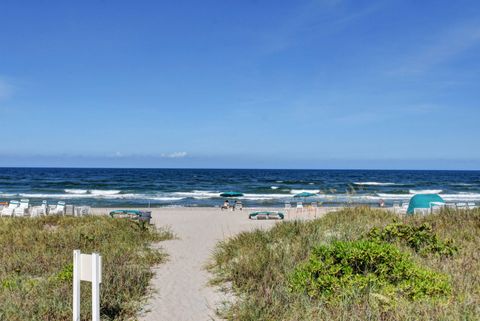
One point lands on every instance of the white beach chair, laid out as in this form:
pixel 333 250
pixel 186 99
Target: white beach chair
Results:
pixel 58 210
pixel 451 206
pixel 40 210
pixel 288 206
pixel 404 208
pixel 8 211
pixel 421 211
pixel 471 205
pixel 82 210
pixel 22 208
pixel 238 206
pixel 299 206
pixel 396 207
pixel 461 206
pixel 436 207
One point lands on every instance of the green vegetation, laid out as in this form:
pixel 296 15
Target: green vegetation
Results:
pixel 343 268
pixel 420 238
pixel 355 264
pixel 36 265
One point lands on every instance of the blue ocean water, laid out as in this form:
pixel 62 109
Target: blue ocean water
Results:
pixel 201 187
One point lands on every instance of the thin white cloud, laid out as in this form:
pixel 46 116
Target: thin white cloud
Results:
pixel 313 19
pixel 6 89
pixel 445 46
pixel 175 155
pixel 162 155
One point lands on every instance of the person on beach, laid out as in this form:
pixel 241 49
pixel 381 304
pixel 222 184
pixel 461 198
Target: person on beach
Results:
pixel 226 205
pixel 381 203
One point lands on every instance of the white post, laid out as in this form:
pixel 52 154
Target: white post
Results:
pixel 95 287
pixel 76 285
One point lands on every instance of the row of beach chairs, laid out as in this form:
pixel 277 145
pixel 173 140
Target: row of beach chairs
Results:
pixel 434 207
pixel 299 206
pixel 23 208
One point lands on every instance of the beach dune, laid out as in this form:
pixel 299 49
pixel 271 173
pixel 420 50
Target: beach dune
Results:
pixel 181 290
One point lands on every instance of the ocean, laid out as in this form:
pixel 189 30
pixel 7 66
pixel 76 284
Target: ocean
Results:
pixel 103 187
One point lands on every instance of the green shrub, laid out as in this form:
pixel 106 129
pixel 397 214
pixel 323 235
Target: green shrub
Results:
pixel 344 268
pixel 420 238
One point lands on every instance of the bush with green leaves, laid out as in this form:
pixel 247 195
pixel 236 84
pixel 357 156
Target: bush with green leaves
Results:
pixel 422 239
pixel 344 268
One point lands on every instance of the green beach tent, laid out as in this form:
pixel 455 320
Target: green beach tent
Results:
pixel 423 201
pixel 231 194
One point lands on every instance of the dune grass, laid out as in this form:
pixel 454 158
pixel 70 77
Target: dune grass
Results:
pixel 36 265
pixel 331 268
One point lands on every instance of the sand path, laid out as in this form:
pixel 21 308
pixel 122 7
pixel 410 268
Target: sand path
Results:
pixel 180 284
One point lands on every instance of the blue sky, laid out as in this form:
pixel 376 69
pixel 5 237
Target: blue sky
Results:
pixel 275 84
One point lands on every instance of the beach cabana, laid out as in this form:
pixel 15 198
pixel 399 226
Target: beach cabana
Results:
pixel 423 201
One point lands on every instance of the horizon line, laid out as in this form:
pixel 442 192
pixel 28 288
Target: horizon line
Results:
pixel 241 168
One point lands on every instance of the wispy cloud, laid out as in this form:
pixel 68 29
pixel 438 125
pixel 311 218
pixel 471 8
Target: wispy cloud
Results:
pixel 312 19
pixel 445 46
pixel 175 155
pixel 6 89
pixel 380 114
pixel 162 155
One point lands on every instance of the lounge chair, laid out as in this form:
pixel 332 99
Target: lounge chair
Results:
pixel 22 208
pixel 82 210
pixel 58 210
pixel 8 211
pixel 40 210
pixel 462 206
pixel 421 211
pixel 238 206
pixel 299 206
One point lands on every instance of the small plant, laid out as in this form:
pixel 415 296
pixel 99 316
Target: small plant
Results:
pixel 344 268
pixel 66 274
pixel 421 238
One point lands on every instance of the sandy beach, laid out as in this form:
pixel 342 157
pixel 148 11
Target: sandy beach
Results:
pixel 180 289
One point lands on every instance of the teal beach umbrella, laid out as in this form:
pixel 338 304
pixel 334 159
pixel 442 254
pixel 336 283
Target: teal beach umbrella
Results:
pixel 231 194
pixel 423 201
pixel 305 194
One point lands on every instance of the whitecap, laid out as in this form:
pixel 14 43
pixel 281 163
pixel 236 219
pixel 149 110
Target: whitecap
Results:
pixel 197 194
pixel 76 191
pixel 425 191
pixel 374 184
pixel 298 191
pixel 103 192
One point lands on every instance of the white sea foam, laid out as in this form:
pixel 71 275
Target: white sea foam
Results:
pixel 103 192
pixel 197 194
pixel 76 191
pixel 462 184
pixel 373 184
pixel 425 191
pixel 274 187
pixel 298 191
